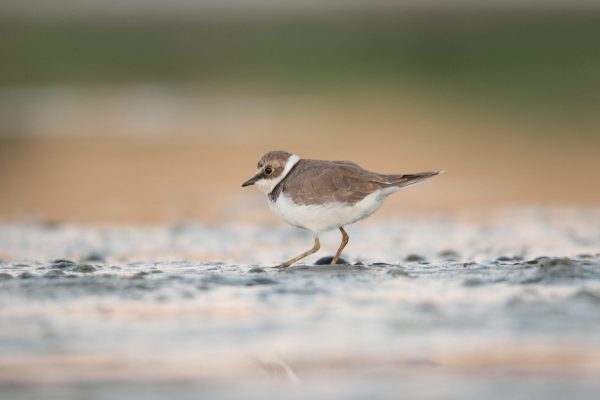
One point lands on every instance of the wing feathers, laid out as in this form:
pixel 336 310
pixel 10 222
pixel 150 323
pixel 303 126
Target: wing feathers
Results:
pixel 410 179
pixel 317 182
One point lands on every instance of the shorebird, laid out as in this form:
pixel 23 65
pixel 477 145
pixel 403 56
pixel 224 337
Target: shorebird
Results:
pixel 320 195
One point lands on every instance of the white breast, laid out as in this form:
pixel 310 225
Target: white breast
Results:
pixel 320 218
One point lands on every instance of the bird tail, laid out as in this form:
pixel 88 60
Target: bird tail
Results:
pixel 401 181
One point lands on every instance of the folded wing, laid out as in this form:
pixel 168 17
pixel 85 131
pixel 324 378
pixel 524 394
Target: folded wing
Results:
pixel 318 182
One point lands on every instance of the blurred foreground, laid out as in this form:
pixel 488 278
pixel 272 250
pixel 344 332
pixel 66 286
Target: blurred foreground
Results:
pixel 465 306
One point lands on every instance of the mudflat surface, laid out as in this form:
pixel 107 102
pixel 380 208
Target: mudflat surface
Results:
pixel 473 305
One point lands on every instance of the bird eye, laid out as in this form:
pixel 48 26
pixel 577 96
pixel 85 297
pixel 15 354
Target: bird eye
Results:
pixel 269 170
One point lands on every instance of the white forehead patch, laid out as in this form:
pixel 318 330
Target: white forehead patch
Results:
pixel 267 185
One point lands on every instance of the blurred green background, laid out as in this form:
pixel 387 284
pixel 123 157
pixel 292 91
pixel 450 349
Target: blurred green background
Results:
pixel 446 85
pixel 532 59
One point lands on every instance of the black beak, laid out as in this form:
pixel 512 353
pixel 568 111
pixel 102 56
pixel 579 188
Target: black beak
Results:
pixel 251 181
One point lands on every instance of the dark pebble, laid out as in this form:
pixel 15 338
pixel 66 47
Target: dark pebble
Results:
pixel 552 262
pixel 449 254
pixel 62 264
pixel 532 279
pixel 26 275
pixel 327 261
pixel 94 257
pixel 140 274
pixel 85 268
pixel 538 260
pixel 255 270
pixel 261 281
pixel 414 258
pixel 62 260
pixel 4 276
pixel 381 264
pixel 55 273
pixel 504 259
pixel 398 272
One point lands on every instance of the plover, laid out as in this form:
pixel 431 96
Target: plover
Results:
pixel 320 195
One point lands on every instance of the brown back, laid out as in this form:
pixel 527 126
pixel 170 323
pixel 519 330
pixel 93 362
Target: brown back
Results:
pixel 318 181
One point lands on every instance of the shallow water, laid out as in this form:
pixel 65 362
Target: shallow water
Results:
pixel 476 305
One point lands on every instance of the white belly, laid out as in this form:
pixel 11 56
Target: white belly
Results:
pixel 320 218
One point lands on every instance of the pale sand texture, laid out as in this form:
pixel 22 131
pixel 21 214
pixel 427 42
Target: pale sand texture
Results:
pixel 451 305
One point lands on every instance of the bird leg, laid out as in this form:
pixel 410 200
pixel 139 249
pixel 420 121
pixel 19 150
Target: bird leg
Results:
pixel 345 239
pixel 315 248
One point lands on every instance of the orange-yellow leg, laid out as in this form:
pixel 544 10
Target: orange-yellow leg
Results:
pixel 345 239
pixel 315 248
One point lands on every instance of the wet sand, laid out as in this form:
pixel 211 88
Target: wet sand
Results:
pixel 463 305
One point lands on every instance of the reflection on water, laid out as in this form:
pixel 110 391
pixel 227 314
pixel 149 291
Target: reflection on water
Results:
pixel 448 305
